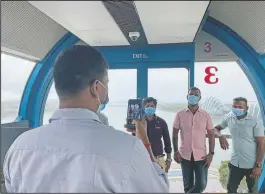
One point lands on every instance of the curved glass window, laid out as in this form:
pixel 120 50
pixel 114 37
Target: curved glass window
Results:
pixel 14 75
pixel 217 101
pixel 170 86
pixel 122 87
pixel 217 98
pixel 170 89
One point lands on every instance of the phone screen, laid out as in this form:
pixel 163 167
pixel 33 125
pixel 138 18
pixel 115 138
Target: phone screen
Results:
pixel 135 111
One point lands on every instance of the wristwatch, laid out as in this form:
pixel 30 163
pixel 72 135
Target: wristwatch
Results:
pixel 170 160
pixel 258 165
pixel 211 153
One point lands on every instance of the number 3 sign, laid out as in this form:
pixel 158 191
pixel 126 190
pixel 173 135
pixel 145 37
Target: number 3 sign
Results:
pixel 208 47
pixel 209 74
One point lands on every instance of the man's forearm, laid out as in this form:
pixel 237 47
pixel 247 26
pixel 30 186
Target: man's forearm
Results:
pixel 217 131
pixel 168 155
pixel 147 145
pixel 211 141
pixel 260 152
pixel 175 140
pixel 149 150
pixel 167 141
pixel 168 148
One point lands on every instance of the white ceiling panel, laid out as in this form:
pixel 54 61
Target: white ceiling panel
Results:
pixel 171 21
pixel 89 20
pixel 16 53
pixel 246 18
pixel 27 32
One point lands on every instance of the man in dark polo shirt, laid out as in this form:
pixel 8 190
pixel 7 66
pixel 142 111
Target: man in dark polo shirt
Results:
pixel 156 129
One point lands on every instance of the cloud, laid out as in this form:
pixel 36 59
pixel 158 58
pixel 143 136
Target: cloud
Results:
pixel 10 96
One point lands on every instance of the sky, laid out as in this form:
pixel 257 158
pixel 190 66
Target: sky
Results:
pixel 167 85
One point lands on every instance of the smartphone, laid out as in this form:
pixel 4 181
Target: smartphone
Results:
pixel 135 111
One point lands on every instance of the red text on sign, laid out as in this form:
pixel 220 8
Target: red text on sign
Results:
pixel 210 74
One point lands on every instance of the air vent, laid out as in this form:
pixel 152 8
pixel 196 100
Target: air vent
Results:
pixel 222 55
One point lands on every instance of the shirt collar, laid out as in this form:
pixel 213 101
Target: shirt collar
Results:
pixel 74 114
pixel 187 109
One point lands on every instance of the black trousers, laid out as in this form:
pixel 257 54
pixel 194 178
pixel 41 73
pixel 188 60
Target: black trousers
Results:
pixel 236 175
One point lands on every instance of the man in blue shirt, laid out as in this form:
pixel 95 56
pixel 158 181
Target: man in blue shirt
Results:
pixel 248 146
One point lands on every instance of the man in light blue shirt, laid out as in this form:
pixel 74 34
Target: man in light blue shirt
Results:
pixel 248 146
pixel 76 152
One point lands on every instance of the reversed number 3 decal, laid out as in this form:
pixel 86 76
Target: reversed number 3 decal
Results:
pixel 210 74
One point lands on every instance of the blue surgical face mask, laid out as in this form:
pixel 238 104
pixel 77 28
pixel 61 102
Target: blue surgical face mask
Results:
pixel 103 105
pixel 149 111
pixel 238 112
pixel 193 100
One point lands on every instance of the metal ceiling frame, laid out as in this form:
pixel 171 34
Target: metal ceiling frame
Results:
pixel 150 56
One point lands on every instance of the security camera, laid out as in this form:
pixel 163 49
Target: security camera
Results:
pixel 134 36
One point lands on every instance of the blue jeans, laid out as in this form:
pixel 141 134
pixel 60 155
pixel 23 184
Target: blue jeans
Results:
pixel 189 168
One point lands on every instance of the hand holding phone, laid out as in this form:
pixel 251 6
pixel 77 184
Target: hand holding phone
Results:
pixel 135 111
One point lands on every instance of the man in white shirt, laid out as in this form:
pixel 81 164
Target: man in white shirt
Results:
pixel 75 152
